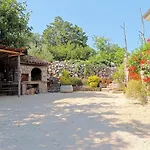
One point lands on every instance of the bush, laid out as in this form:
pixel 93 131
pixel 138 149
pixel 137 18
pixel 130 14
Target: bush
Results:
pixel 76 81
pixel 65 78
pixel 93 84
pixel 136 90
pixel 85 82
pixel 93 81
pixel 119 75
pixel 65 73
pixel 65 81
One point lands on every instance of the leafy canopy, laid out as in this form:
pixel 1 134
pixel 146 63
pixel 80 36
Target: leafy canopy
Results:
pixel 62 32
pixel 108 52
pixel 14 29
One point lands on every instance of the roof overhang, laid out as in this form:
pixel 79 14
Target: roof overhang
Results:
pixel 9 52
pixel 147 15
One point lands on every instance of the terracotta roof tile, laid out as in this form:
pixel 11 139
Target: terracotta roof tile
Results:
pixel 27 59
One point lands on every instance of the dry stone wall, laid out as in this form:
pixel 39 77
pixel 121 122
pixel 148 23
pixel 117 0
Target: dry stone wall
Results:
pixel 80 69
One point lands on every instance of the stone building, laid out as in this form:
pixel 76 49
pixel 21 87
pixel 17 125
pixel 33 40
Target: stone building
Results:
pixel 33 73
pixel 21 73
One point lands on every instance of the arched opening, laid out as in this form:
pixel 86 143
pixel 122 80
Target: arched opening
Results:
pixel 36 74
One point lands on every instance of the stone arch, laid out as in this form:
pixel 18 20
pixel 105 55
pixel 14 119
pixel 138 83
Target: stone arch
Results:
pixel 36 74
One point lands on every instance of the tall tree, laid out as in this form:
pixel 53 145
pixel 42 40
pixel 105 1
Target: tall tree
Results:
pixel 38 48
pixel 62 32
pixel 108 52
pixel 14 29
pixel 70 51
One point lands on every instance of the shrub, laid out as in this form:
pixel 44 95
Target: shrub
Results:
pixel 136 90
pixel 76 81
pixel 93 81
pixel 93 84
pixel 65 81
pixel 85 82
pixel 65 73
pixel 65 78
pixel 119 75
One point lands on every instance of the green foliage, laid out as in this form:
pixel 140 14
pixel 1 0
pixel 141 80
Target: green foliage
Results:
pixel 14 29
pixel 61 32
pixel 60 41
pixel 70 52
pixel 65 78
pixel 65 81
pixel 93 81
pixel 76 81
pixel 85 82
pixel 119 75
pixel 41 52
pixel 38 48
pixel 108 52
pixel 136 90
pixel 65 73
pixel 92 67
pixel 93 84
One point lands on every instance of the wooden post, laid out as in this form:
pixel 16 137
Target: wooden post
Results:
pixel 143 28
pixel 126 53
pixel 19 77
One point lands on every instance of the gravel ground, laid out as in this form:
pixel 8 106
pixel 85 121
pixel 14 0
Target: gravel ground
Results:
pixel 75 121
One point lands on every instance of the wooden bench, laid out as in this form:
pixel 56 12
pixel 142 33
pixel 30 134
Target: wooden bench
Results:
pixel 9 88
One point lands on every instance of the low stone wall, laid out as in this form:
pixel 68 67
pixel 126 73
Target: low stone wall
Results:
pixel 79 70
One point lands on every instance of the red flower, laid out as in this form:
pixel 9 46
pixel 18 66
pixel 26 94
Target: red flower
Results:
pixel 132 68
pixel 134 76
pixel 146 79
pixel 143 61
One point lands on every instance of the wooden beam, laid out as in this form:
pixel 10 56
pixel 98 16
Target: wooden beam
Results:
pixel 19 77
pixel 8 51
pixel 147 15
pixel 13 55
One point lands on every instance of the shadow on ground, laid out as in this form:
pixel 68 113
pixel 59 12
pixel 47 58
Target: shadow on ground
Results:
pixel 77 121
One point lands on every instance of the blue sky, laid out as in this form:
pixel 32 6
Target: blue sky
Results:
pixel 96 17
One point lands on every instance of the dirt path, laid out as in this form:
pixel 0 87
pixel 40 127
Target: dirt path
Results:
pixel 77 121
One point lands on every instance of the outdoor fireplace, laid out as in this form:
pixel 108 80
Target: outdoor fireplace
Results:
pixel 36 74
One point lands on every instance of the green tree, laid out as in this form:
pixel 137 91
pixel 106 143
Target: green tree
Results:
pixel 37 48
pixel 70 51
pixel 108 52
pixel 14 29
pixel 62 32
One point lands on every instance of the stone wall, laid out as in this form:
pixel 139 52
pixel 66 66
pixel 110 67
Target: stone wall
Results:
pixel 78 69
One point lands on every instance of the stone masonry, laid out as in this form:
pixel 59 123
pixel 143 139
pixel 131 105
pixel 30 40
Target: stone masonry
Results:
pixel 26 69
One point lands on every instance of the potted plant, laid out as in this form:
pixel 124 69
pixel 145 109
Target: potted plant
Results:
pixel 65 82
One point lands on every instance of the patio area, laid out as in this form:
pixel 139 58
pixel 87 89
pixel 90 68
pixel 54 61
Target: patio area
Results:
pixel 75 121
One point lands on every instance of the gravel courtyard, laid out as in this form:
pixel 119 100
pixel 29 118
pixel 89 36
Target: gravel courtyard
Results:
pixel 76 121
